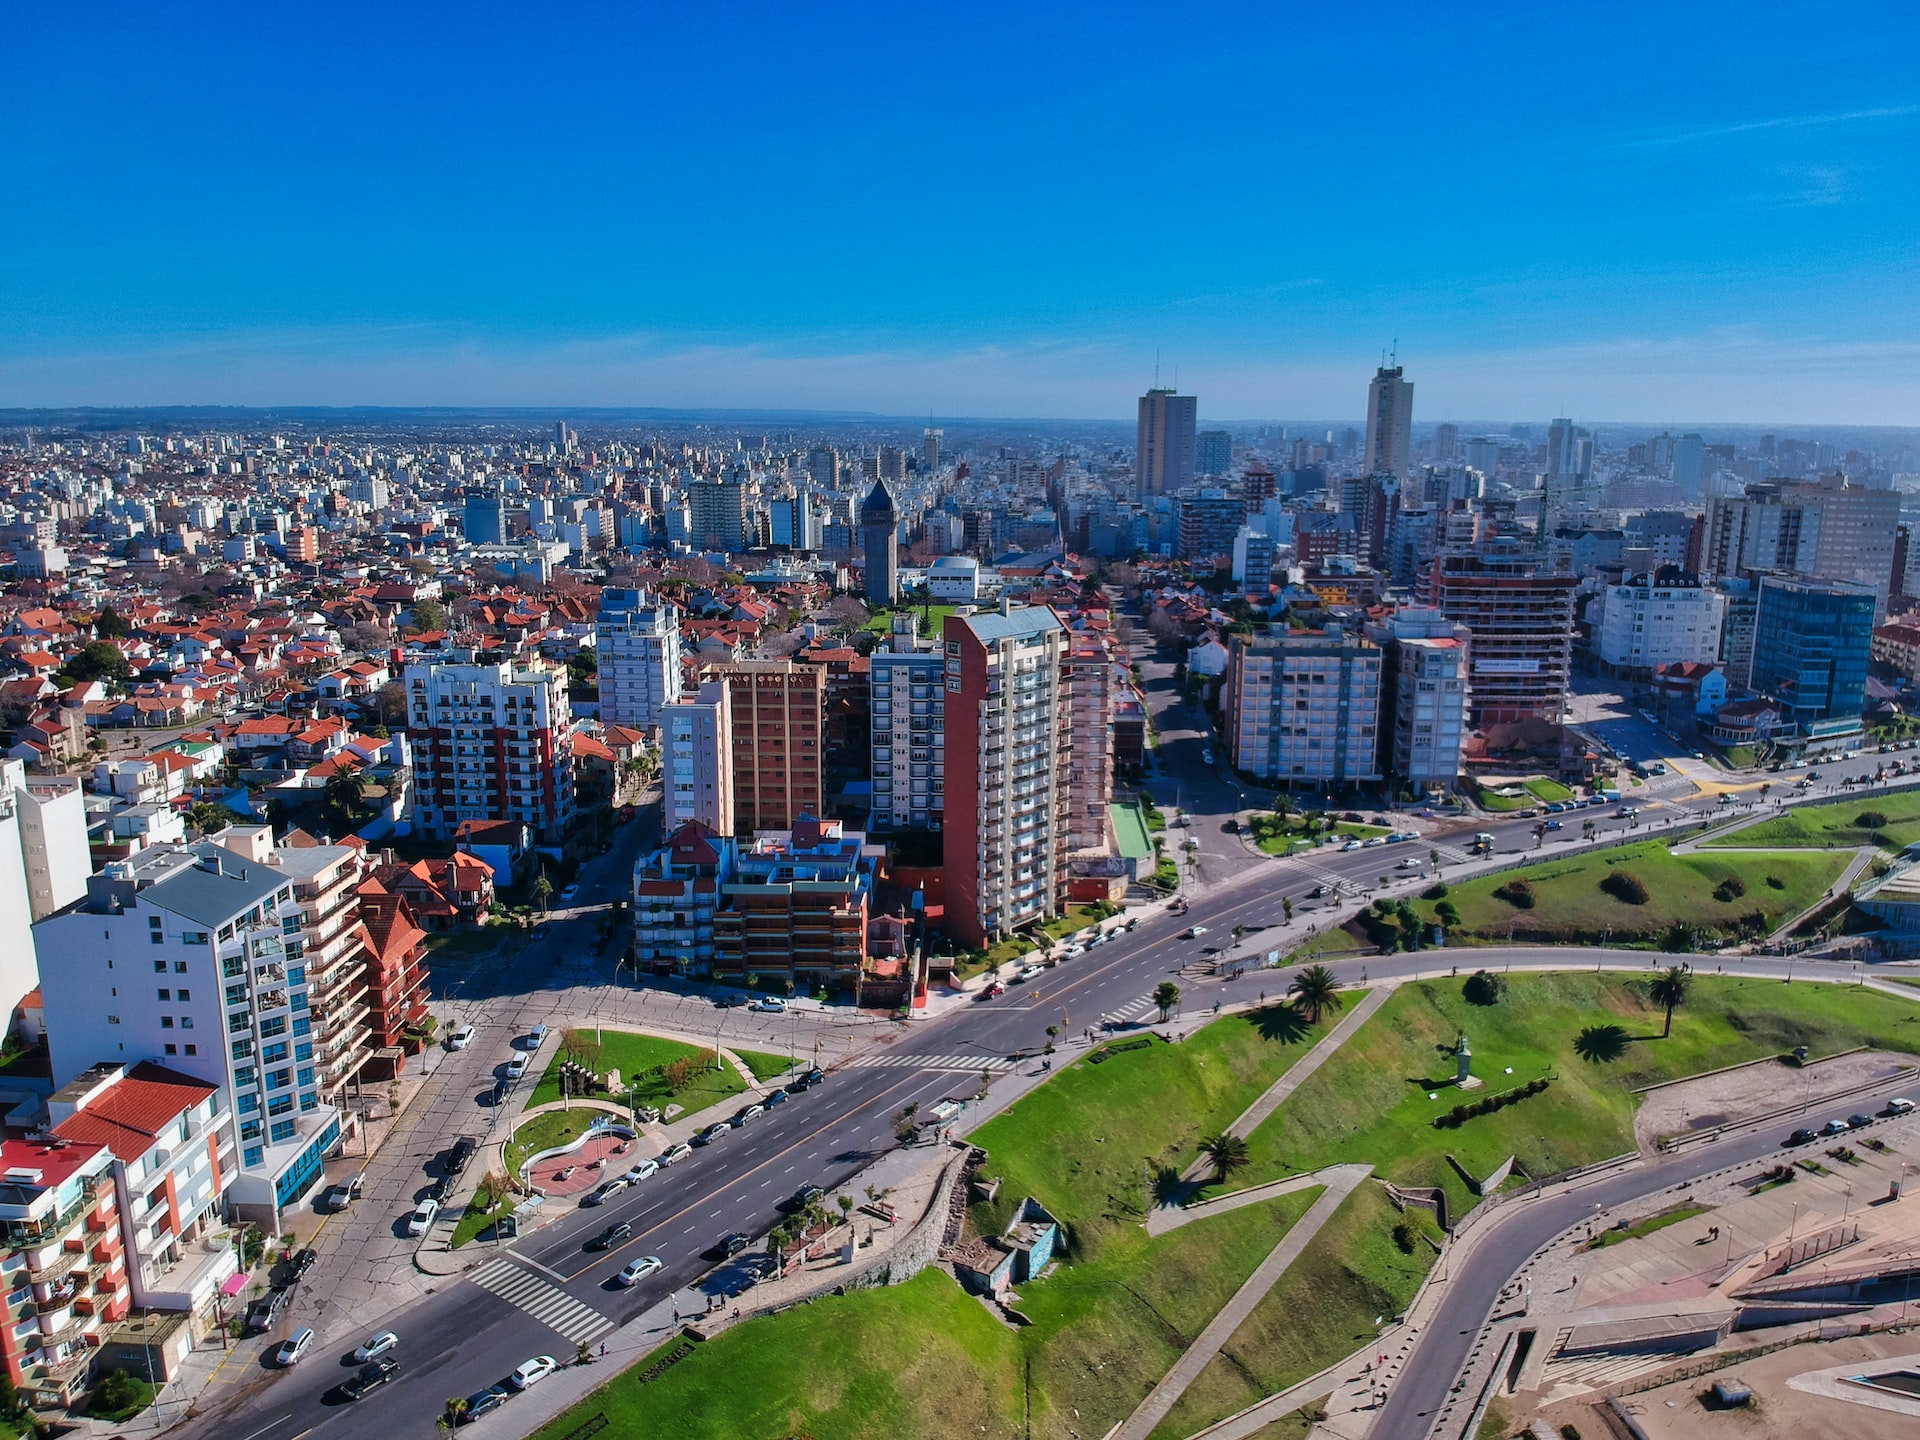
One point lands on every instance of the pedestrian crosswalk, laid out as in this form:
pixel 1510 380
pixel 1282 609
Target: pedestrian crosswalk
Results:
pixel 545 1302
pixel 975 1063
pixel 1133 1011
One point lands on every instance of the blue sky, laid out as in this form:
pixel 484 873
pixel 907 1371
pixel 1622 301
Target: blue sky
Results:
pixel 1703 211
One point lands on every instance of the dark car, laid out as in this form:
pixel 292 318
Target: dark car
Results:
pixel 729 1245
pixel 815 1076
pixel 711 1134
pixel 461 1153
pixel 1802 1137
pixel 803 1197
pixel 441 1187
pixel 483 1402
pixel 797 1087
pixel 612 1235
pixel 300 1262
pixel 1860 1121
pixel 728 1002
pixel 371 1377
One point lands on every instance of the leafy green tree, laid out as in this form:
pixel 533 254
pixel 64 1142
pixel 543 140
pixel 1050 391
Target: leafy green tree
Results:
pixel 1315 991
pixel 1166 995
pixel 110 624
pixel 99 660
pixel 1669 988
pixel 1226 1152
pixel 429 615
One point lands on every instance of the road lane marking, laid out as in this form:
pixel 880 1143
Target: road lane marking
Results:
pixel 571 1319
pixel 544 1269
pixel 269 1425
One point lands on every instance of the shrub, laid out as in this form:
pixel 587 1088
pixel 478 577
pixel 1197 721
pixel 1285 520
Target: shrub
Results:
pixel 1447 914
pixel 1774 882
pixel 1435 892
pixel 1483 987
pixel 1406 1237
pixel 1626 887
pixel 1870 820
pixel 1730 889
pixel 1517 893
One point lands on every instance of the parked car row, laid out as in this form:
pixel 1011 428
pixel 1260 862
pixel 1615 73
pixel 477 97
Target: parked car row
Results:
pixel 1897 1106
pixel 525 1377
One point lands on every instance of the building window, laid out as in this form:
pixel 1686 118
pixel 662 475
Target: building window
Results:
pixel 282 1130
pixel 279 1079
pixel 170 1049
pixel 166 1022
pixel 280 1105
pixel 160 967
pixel 193 1049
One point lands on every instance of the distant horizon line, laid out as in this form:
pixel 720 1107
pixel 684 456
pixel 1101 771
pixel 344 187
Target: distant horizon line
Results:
pixel 29 416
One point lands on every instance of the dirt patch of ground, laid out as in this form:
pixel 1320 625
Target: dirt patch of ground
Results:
pixel 1753 1090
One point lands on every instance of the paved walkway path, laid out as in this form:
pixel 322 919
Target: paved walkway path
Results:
pixel 1340 1182
pixel 1171 1217
pixel 1275 1094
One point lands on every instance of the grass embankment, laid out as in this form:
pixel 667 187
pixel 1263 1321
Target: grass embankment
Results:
pixel 643 1058
pixel 922 1358
pixel 1893 823
pixel 1549 791
pixel 1321 1309
pixel 1369 1102
pixel 932 618
pixel 1732 894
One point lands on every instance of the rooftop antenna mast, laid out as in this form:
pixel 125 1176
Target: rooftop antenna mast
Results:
pixel 1156 367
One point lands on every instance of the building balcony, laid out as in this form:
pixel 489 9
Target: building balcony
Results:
pixel 60 1263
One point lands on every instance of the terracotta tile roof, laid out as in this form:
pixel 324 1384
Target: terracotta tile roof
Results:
pixel 135 1109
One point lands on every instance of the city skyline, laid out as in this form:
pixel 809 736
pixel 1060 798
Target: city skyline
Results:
pixel 1709 244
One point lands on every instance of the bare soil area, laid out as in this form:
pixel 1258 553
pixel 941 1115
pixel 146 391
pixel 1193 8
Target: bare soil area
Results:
pixel 1754 1090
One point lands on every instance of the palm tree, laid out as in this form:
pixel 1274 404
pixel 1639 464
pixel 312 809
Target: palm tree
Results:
pixel 1586 829
pixel 1600 1044
pixel 1316 990
pixel 542 888
pixel 1166 995
pixel 1226 1152
pixel 1670 989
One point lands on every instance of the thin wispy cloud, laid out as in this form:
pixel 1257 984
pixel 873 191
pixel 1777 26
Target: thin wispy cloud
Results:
pixel 1705 133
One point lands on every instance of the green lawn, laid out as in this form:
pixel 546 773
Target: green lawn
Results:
pixel 1549 791
pixel 918 1359
pixel 1823 826
pixel 640 1057
pixel 763 1065
pixel 1077 918
pixel 1570 907
pixel 1104 1333
pixel 1321 1309
pixel 1369 1102
pixel 934 626
pixel 1501 804
pixel 476 1219
pixel 1278 836
pixel 1647 1226
pixel 1084 1142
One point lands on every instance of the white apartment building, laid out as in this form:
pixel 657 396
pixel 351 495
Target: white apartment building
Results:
pixel 232 962
pixel 174 1149
pixel 491 742
pixel 1303 707
pixel 909 731
pixel 1426 675
pixel 636 640
pixel 1660 619
pixel 697 765
pixel 52 816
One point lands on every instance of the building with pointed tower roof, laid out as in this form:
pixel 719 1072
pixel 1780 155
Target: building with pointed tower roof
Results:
pixel 880 527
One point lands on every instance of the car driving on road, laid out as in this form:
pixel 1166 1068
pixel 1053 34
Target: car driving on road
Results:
pixel 371 1377
pixel 637 1270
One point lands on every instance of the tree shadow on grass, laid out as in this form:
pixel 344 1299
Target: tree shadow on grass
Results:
pixel 1280 1023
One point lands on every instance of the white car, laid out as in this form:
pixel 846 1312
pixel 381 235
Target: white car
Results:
pixel 1351 845
pixel 516 1067
pixel 533 1372
pixel 769 1005
pixel 639 1269
pixel 460 1037
pixel 641 1171
pixel 376 1346
pixel 570 894
pixel 536 1037
pixel 421 1220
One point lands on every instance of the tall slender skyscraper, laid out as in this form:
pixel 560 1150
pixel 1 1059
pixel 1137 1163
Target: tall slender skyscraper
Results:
pixel 1164 448
pixel 1389 423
